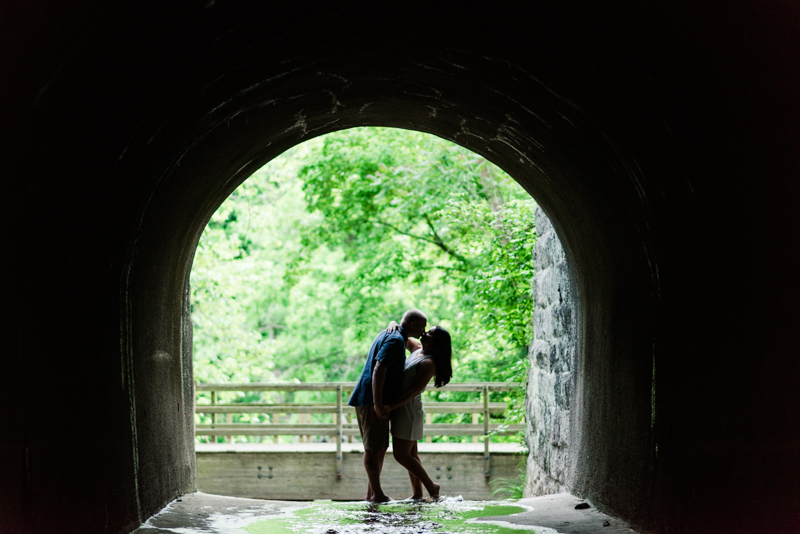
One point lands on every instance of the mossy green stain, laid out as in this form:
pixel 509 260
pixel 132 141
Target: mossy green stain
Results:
pixel 399 518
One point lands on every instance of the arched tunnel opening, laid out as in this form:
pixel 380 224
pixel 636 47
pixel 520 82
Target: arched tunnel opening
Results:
pixel 660 141
pixel 314 254
pixel 555 152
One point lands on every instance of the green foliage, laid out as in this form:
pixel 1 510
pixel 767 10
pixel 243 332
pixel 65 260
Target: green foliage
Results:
pixel 509 488
pixel 320 249
pixel 408 206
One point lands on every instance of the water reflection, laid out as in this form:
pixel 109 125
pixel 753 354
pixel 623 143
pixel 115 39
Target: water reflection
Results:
pixel 399 517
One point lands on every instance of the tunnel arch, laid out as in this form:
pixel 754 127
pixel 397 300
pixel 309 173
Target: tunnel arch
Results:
pixel 586 176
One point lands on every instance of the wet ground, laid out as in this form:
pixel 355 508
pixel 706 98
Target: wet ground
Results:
pixel 211 514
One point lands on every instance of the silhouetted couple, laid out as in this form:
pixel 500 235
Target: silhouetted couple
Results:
pixel 388 399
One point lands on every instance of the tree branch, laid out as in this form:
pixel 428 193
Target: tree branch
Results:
pixel 435 241
pixel 399 231
pixel 441 267
pixel 438 242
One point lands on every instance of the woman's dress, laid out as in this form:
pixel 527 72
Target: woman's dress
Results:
pixel 407 420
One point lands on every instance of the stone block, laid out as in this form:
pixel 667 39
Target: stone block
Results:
pixel 562 320
pixel 543 281
pixel 547 383
pixel 556 355
pixel 563 390
pixel 550 288
pixel 546 251
pixel 554 433
pixel 541 354
pixel 543 327
pixel 543 223
pixel 562 273
pixel 561 363
pixel 567 351
pixel 539 482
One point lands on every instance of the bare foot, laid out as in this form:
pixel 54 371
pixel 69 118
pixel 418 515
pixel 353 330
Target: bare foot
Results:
pixel 380 498
pixel 435 493
pixel 416 497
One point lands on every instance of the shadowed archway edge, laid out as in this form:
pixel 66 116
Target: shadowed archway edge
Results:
pixel 683 256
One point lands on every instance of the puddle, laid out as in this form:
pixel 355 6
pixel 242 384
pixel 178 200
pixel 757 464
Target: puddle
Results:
pixel 400 517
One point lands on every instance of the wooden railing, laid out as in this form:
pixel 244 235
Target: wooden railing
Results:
pixel 340 425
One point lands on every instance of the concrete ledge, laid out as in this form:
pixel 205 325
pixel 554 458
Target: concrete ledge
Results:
pixel 495 448
pixel 297 475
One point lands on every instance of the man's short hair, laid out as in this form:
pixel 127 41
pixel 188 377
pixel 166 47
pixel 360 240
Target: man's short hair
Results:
pixel 413 316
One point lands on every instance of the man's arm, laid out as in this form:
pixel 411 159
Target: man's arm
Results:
pixel 425 371
pixel 378 379
pixel 392 348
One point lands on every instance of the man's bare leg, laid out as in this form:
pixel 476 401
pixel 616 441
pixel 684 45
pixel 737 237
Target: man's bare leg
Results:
pixel 373 463
pixel 405 452
pixel 370 494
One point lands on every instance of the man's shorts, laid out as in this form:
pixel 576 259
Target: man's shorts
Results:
pixel 374 431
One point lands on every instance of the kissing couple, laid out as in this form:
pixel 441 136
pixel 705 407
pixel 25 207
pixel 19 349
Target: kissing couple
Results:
pixel 387 398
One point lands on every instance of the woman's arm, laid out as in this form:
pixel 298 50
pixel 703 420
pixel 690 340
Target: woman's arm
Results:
pixel 425 371
pixel 412 344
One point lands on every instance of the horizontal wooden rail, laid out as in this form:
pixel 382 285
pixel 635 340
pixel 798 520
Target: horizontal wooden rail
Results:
pixel 267 386
pixel 288 407
pixel 256 429
pixel 244 429
pixel 476 387
pixel 343 423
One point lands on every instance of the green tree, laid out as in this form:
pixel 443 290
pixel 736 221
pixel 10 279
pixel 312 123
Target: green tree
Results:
pixel 408 206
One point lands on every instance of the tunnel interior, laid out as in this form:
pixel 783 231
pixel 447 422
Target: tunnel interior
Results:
pixel 643 136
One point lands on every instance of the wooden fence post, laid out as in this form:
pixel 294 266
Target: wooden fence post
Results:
pixel 486 431
pixel 347 394
pixel 339 429
pixel 213 415
pixel 228 439
pixel 428 420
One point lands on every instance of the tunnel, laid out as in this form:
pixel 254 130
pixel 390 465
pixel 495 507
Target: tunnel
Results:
pixel 661 140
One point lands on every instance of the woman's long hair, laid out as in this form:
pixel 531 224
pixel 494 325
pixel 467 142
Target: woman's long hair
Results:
pixel 442 353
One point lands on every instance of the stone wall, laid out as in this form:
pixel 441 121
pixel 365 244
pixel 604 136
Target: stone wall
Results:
pixel 552 354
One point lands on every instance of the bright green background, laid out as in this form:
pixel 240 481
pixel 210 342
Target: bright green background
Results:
pixel 315 253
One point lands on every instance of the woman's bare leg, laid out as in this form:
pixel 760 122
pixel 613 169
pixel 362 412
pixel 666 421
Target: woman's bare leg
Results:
pixel 416 487
pixel 410 460
pixel 416 483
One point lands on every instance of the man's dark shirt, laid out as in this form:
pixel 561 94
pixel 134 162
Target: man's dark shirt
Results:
pixel 390 350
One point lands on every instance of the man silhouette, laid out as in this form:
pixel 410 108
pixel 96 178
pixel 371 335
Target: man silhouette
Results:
pixel 379 385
